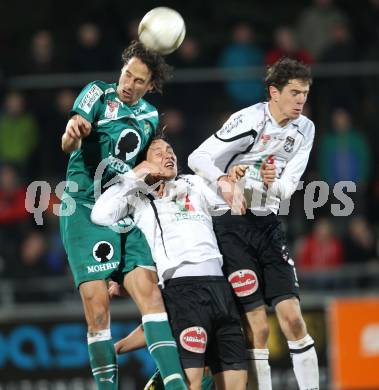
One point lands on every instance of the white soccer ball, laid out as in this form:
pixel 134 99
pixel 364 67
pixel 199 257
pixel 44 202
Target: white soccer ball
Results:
pixel 162 29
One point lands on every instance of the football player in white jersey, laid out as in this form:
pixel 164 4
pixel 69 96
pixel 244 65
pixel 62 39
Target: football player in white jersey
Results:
pixel 177 223
pixel 268 144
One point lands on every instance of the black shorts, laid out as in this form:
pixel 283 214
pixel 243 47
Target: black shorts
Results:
pixel 256 259
pixel 205 322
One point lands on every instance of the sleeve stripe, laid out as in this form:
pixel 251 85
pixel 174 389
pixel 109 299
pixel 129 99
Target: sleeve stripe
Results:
pixel 148 115
pixel 239 136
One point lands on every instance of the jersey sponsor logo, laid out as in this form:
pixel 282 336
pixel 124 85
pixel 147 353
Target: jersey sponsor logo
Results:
pixel 118 165
pixel 288 144
pixel 139 109
pixel 187 210
pixel 102 267
pixel 102 251
pixel 229 126
pixel 180 216
pixel 264 140
pixel 244 282
pixel 194 339
pixel 90 98
pixel 111 110
pixel 128 144
pixel 186 204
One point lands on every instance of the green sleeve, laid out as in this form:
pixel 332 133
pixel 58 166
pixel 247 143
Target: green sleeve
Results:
pixel 89 102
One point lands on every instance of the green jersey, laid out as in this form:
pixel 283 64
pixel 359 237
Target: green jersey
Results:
pixel 120 133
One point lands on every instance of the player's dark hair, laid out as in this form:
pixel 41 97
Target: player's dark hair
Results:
pixel 281 72
pixel 157 65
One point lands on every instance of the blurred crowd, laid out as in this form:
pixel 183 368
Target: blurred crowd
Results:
pixel 343 107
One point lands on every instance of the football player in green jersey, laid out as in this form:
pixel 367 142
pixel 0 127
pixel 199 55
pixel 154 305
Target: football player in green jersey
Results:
pixel 111 125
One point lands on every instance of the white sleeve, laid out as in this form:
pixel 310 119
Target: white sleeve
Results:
pixel 286 185
pixel 212 158
pixel 113 204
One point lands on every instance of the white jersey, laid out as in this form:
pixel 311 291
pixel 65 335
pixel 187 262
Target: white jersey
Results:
pixel 178 226
pixel 249 137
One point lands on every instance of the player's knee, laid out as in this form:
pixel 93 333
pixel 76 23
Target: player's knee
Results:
pixel 295 323
pixel 156 300
pixel 97 315
pixel 257 334
pixel 98 319
pixel 151 301
pixel 263 331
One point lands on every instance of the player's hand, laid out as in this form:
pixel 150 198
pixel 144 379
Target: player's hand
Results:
pixel 149 172
pixel 232 193
pixel 237 172
pixel 78 127
pixel 268 172
pixel 116 290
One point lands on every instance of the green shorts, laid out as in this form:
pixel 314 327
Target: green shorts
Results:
pixel 97 252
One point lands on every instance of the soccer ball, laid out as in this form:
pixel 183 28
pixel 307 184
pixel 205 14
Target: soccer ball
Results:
pixel 162 29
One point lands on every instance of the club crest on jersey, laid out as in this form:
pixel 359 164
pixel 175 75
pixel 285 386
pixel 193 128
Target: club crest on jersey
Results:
pixel 102 251
pixel 244 282
pixel 146 128
pixel 111 110
pixel 288 144
pixel 194 339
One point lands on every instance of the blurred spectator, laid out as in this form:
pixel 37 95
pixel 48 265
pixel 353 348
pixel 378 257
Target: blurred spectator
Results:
pixel 243 52
pixel 339 91
pixel 366 20
pixel 287 46
pixel 321 250
pixel 43 57
pixel 341 46
pixel 189 54
pixel 315 24
pixel 53 162
pixel 91 54
pixel 360 242
pixel 30 263
pixel 132 29
pixel 12 197
pixel 18 131
pixel 13 216
pixel 344 153
pixel 33 256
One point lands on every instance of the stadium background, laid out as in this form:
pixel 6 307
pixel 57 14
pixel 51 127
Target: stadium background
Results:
pixel 49 50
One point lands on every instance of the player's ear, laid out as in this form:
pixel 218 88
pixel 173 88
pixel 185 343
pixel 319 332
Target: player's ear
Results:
pixel 150 87
pixel 274 93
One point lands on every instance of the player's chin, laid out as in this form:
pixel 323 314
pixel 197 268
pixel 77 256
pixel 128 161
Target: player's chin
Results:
pixel 170 173
pixel 295 114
